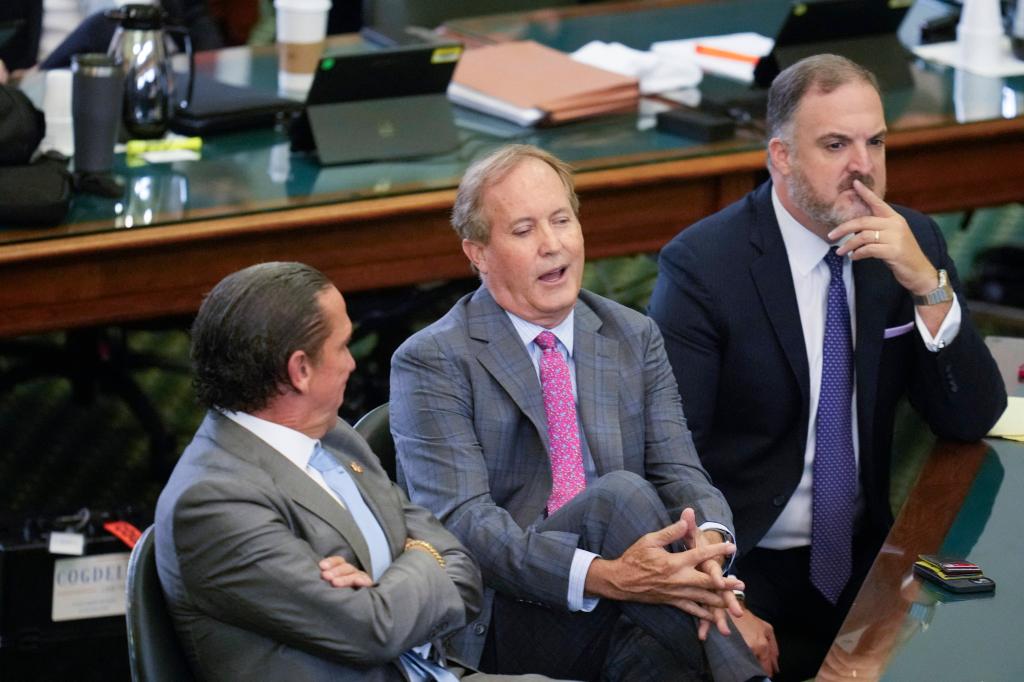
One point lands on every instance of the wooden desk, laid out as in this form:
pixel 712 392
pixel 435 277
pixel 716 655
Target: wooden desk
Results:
pixel 967 501
pixel 637 188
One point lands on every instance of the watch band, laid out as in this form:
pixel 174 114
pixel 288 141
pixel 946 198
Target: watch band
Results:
pixel 940 294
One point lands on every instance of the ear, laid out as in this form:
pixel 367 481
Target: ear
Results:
pixel 476 253
pixel 778 151
pixel 300 371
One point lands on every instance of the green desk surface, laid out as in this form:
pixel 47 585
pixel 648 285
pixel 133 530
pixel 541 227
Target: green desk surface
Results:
pixel 966 502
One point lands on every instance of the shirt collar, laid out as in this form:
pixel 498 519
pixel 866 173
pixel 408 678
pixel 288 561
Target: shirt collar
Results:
pixel 804 248
pixel 295 446
pixel 528 331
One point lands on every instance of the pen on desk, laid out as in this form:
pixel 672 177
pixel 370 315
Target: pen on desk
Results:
pixel 710 51
pixel 135 147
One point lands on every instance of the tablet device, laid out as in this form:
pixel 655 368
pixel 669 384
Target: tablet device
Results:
pixel 861 30
pixel 385 104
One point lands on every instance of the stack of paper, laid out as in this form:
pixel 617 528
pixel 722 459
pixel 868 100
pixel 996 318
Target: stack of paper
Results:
pixel 1011 424
pixel 733 55
pixel 528 83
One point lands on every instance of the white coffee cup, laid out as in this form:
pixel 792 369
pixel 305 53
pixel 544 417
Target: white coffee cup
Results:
pixel 980 35
pixel 57 108
pixel 301 30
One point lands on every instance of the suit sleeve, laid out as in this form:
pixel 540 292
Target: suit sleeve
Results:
pixel 241 560
pixel 958 390
pixel 671 461
pixel 684 311
pixel 443 464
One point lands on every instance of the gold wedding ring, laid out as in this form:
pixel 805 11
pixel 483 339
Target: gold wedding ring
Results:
pixel 876 236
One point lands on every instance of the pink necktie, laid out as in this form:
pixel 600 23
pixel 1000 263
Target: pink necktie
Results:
pixel 567 477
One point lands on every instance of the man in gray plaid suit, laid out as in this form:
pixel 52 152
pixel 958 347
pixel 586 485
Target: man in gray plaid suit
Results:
pixel 600 585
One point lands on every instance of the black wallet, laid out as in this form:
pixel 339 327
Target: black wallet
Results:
pixel 217 107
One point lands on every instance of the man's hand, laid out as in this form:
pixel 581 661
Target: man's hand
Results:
pixel 885 235
pixel 694 539
pixel 760 637
pixel 340 573
pixel 646 572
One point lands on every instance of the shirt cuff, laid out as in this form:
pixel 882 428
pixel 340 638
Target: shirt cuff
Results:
pixel 729 537
pixel 948 330
pixel 581 561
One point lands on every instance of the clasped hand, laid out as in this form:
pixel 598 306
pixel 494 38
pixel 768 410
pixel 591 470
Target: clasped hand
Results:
pixel 692 580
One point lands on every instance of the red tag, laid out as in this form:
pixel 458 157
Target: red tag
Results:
pixel 123 531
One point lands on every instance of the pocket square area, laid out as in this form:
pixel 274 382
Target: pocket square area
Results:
pixel 900 330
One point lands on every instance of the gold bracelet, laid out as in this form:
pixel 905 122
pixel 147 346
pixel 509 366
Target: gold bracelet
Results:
pixel 425 546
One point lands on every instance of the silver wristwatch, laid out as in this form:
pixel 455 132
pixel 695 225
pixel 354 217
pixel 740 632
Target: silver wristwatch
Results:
pixel 940 294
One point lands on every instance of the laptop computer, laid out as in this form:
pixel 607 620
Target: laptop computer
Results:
pixel 386 104
pixel 861 30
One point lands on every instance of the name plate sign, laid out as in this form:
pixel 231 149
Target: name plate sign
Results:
pixel 89 587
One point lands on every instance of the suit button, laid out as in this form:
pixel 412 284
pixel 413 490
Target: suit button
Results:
pixel 479 629
pixel 779 500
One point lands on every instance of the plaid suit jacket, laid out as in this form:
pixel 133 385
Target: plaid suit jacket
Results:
pixel 471 438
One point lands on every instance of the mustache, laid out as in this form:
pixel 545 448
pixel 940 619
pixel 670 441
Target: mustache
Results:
pixel 847 183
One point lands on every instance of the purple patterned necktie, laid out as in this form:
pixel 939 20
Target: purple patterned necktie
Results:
pixel 835 472
pixel 567 477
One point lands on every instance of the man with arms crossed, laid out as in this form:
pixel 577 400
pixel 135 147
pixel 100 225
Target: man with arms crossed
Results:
pixel 542 424
pixel 283 549
pixel 792 354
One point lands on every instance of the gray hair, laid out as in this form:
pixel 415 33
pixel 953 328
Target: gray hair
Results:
pixel 249 326
pixel 823 73
pixel 468 212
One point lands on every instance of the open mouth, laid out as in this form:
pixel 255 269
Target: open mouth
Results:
pixel 552 275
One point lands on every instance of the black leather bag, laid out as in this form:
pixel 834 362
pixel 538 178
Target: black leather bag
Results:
pixel 31 194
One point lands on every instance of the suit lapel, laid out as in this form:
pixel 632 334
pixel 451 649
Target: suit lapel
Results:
pixel 290 480
pixel 506 359
pixel 597 390
pixel 870 279
pixel 353 453
pixel 771 273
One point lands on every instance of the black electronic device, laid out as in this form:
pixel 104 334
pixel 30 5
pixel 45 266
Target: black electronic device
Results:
pixel 966 583
pixel 696 125
pixel 385 104
pixel 217 107
pixel 861 30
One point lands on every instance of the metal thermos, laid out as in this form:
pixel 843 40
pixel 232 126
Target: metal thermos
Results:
pixel 141 47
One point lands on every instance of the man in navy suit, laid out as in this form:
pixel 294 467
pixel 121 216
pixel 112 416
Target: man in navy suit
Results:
pixel 741 299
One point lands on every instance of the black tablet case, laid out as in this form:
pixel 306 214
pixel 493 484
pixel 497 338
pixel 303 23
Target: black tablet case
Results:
pixel 217 107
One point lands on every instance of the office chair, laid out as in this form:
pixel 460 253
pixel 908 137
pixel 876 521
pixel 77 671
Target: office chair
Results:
pixel 154 654
pixel 375 427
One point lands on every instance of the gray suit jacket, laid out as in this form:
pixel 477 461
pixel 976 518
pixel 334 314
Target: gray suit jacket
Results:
pixel 471 437
pixel 239 532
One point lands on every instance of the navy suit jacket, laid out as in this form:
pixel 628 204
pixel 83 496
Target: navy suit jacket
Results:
pixel 727 308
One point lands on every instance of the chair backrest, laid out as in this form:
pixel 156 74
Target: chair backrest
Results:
pixel 154 653
pixel 375 427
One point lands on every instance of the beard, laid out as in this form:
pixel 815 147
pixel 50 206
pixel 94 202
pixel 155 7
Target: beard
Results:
pixel 826 213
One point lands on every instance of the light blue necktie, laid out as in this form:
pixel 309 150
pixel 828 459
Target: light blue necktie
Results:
pixel 419 669
pixel 341 483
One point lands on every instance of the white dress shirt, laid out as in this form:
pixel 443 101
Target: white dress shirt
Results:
pixel 811 275
pixel 293 445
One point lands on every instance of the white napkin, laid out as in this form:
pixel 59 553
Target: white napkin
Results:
pixel 654 73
